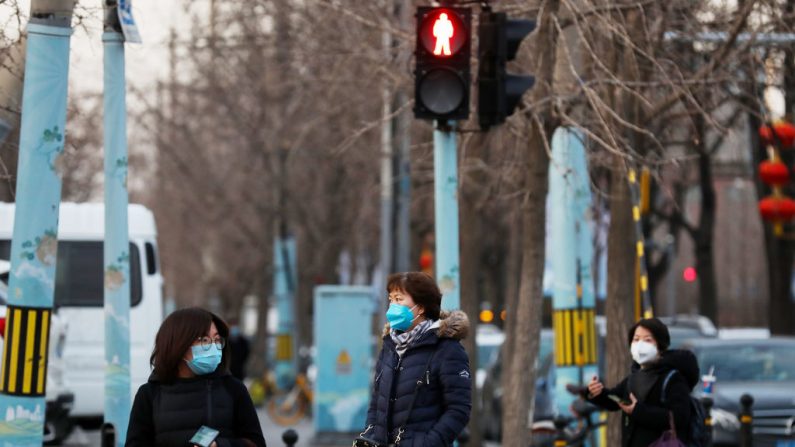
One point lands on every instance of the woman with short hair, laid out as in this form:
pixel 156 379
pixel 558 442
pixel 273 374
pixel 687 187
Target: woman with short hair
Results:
pixel 646 405
pixel 422 389
pixel 191 386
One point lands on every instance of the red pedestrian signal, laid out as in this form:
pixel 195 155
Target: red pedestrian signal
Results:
pixel 442 32
pixel 441 78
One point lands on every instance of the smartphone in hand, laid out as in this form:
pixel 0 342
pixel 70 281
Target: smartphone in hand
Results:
pixel 617 399
pixel 204 436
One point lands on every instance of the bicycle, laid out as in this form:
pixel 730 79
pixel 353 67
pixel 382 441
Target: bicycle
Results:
pixel 558 432
pixel 288 407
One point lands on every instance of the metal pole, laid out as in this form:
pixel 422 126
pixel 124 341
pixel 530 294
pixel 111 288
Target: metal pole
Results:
pixel 560 431
pixel 642 279
pixel 445 170
pixel 746 421
pixel 707 402
pixel 286 366
pixel 385 262
pixel 402 142
pixel 107 435
pixel 117 240
pixel 290 437
pixel 34 244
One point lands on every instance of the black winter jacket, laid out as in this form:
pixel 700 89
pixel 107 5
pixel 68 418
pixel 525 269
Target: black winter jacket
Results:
pixel 165 415
pixel 650 418
pixel 444 400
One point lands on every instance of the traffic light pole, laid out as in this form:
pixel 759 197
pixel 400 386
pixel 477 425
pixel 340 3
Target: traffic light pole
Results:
pixel 34 245
pixel 445 176
pixel 117 240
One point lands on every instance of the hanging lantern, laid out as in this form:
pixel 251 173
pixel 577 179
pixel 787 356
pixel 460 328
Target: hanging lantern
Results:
pixel 784 131
pixel 777 209
pixel 774 173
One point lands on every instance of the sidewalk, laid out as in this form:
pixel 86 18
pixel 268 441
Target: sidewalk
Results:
pixel 306 433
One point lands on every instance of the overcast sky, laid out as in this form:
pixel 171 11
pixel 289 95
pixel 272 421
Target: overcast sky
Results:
pixel 145 62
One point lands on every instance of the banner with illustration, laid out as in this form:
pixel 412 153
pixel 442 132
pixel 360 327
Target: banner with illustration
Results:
pixel 35 241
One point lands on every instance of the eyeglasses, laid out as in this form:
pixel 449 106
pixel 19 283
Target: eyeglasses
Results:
pixel 205 342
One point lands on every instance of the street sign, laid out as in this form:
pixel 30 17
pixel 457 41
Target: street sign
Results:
pixel 128 26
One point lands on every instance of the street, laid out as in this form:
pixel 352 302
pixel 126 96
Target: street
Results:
pixel 272 432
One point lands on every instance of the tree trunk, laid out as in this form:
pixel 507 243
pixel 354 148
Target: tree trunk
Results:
pixel 705 263
pixel 257 364
pixel 471 248
pixel 11 86
pixel 527 328
pixel 620 287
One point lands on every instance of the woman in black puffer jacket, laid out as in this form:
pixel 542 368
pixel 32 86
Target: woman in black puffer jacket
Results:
pixel 646 416
pixel 422 361
pixel 191 386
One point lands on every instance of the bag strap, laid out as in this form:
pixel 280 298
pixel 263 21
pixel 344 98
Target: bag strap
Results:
pixel 665 384
pixel 425 371
pixel 672 424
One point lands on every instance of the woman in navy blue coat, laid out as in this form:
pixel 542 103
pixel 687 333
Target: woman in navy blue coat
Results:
pixel 422 391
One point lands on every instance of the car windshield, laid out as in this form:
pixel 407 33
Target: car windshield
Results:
pixel 680 335
pixel 486 354
pixel 749 363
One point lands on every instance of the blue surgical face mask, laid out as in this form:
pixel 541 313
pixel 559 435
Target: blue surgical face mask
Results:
pixel 204 362
pixel 399 316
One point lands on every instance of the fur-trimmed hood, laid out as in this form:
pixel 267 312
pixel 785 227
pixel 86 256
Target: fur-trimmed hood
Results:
pixel 451 324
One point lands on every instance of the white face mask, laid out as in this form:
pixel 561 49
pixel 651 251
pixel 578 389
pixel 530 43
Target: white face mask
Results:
pixel 643 352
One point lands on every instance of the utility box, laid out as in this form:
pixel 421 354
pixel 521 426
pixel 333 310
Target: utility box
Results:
pixel 344 358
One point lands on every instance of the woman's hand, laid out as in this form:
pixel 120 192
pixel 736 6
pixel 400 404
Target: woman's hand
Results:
pixel 629 408
pixel 595 388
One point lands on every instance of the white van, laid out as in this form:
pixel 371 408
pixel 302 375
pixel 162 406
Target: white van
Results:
pixel 79 295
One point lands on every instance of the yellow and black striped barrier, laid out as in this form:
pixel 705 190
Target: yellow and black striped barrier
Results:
pixel 284 347
pixel 27 336
pixel 575 337
pixel 642 308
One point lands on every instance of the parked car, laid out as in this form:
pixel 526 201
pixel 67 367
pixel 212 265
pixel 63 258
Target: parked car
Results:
pixel 492 391
pixel 763 368
pixel 79 298
pixel 683 327
pixel 58 399
pixel 489 338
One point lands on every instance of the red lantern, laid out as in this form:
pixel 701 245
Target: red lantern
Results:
pixel 777 209
pixel 784 131
pixel 774 173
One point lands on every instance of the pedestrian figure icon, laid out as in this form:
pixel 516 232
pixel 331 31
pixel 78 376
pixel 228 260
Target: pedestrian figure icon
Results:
pixel 443 32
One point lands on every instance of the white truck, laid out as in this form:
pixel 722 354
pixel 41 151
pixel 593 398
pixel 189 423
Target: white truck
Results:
pixel 79 296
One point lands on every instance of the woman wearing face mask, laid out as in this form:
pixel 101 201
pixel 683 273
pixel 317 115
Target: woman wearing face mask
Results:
pixel 191 386
pixel 639 395
pixel 422 388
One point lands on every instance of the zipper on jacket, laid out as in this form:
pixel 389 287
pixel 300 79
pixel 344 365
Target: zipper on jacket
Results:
pixel 369 427
pixel 209 403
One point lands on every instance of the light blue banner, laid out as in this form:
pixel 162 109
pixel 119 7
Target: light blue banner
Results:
pixel 284 280
pixel 570 256
pixel 34 245
pixel 445 175
pixel 117 242
pixel 343 357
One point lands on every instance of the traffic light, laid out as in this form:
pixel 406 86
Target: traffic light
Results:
pixel 441 74
pixel 498 91
pixel 689 274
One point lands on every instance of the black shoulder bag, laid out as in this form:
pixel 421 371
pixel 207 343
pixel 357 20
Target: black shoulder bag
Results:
pixel 363 441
